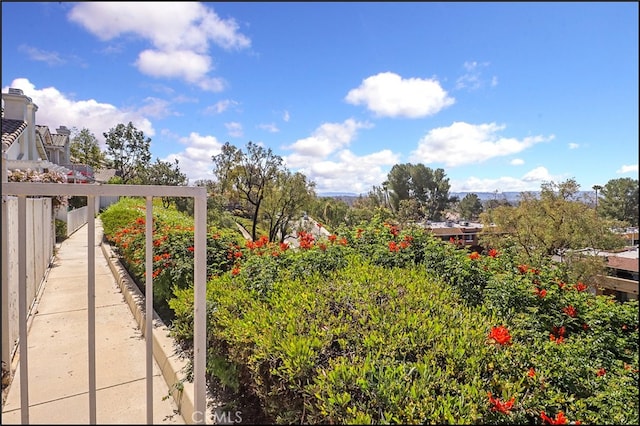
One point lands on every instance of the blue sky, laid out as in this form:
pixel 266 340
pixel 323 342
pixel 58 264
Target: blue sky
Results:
pixel 502 96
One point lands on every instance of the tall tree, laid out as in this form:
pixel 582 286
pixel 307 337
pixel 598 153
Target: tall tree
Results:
pixel 556 221
pixel 470 206
pixel 285 198
pixel 128 151
pixel 416 181
pixel 620 200
pixel 248 174
pixel 85 149
pixel 164 173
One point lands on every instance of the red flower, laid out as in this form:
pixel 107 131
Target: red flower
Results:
pixel 332 238
pixel 235 270
pixel 585 326
pixel 284 246
pixel 580 286
pixel 502 407
pixel 541 293
pixel 237 254
pixel 501 335
pixel 601 372
pixel 571 311
pixel 393 247
pixel 559 420
pixel 493 253
pixel 532 372
pixel 523 269
pixel 343 241
pixel 474 255
pixel 559 332
pixel 191 249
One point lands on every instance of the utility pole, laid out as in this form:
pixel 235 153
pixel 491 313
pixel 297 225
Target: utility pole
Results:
pixel 597 188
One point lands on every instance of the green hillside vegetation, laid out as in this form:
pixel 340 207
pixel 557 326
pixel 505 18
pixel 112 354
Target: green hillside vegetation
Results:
pixel 380 323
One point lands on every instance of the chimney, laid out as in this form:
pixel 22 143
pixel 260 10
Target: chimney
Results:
pixel 62 130
pixel 17 106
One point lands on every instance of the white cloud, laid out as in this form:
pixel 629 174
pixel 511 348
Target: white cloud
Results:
pixel 348 172
pixel 50 58
pixel 195 160
pixel 180 33
pixel 389 95
pixel 325 159
pixel 327 139
pixel 220 106
pixel 56 109
pixel 573 145
pixel 473 79
pixel 269 127
pixel 157 108
pixel 628 169
pixel 517 162
pixel 286 116
pixel 234 128
pixel 464 143
pixel 530 181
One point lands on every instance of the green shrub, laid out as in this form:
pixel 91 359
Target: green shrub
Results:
pixel 61 230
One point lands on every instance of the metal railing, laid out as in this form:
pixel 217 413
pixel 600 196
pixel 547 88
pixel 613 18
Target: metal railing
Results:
pixel 22 190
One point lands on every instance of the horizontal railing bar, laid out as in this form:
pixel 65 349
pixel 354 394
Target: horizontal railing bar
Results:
pixel 78 189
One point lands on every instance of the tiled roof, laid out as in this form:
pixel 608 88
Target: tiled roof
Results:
pixel 59 140
pixel 11 131
pixel 623 263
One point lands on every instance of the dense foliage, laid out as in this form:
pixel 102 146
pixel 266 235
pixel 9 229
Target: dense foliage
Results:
pixel 124 226
pixel 382 324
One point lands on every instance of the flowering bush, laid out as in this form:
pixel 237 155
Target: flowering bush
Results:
pixel 124 225
pixel 381 324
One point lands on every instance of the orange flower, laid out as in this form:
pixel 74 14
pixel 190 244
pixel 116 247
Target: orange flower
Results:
pixel 532 372
pixel 501 335
pixel 332 237
pixel 571 311
pixel 541 293
pixel 523 269
pixel 474 255
pixel 235 270
pixel 560 419
pixel 393 247
pixel 580 286
pixel 601 372
pixel 284 246
pixel 502 407
pixel 493 253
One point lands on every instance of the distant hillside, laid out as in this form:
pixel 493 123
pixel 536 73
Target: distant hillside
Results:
pixel 512 197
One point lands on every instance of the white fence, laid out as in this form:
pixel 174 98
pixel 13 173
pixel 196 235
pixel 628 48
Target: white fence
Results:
pixel 26 189
pixel 78 217
pixel 39 240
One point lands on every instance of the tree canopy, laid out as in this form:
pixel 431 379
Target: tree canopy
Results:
pixel 620 200
pixel 247 174
pixel 556 221
pixel 128 150
pixel 85 149
pixel 416 181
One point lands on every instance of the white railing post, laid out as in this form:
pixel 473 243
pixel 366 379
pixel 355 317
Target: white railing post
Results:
pixel 91 308
pixel 148 312
pixel 22 309
pixel 6 340
pixel 24 189
pixel 199 301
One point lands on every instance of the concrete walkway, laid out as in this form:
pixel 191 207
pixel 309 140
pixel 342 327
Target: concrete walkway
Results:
pixel 58 350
